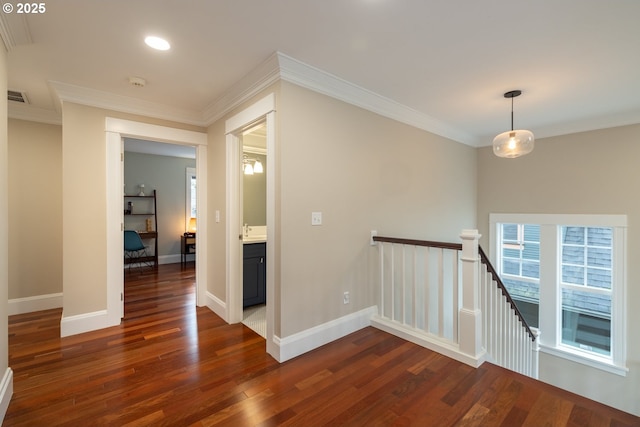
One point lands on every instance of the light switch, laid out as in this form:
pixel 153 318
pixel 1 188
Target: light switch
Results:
pixel 316 218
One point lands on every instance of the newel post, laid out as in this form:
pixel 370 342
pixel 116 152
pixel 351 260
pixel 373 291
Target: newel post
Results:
pixel 470 316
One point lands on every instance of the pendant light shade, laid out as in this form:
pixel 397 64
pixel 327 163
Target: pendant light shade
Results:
pixel 513 143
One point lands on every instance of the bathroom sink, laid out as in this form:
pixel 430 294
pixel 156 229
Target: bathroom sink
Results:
pixel 254 239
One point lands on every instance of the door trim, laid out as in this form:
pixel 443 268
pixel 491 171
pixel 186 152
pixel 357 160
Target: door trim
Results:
pixel 116 130
pixel 262 110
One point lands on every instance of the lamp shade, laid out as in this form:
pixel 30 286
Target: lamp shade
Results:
pixel 192 225
pixel 513 143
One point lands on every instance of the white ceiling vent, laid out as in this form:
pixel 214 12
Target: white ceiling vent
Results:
pixel 17 96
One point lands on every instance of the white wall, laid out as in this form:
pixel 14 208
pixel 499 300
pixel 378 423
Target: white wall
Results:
pixel 585 173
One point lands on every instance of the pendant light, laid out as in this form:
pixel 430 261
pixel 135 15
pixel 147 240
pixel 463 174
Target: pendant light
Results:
pixel 513 143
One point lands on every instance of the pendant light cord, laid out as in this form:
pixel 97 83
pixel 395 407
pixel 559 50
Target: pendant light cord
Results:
pixel 512 113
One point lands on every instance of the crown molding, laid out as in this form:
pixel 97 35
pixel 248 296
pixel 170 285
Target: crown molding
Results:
pixel 312 78
pixel 277 66
pixel 95 98
pixel 14 30
pixel 258 79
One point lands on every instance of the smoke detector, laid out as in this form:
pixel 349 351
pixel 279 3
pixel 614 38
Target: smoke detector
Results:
pixel 137 81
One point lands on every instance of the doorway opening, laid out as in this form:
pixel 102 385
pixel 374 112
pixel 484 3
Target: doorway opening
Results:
pixel 167 171
pixel 117 131
pixel 261 112
pixel 254 225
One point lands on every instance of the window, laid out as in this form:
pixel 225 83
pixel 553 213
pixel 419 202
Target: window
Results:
pixel 520 267
pixel 586 287
pixel 567 275
pixel 190 200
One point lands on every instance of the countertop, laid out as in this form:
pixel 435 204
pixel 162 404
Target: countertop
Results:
pixel 254 239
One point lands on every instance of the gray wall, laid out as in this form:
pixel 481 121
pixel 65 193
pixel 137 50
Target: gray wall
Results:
pixel 166 175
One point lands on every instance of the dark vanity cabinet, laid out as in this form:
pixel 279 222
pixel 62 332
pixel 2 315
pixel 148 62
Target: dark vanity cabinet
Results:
pixel 254 274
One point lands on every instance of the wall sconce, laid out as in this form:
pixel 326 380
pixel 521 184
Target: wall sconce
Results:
pixel 251 166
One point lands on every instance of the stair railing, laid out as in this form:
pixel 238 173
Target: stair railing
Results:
pixel 449 298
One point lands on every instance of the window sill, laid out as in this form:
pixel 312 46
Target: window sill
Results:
pixel 586 359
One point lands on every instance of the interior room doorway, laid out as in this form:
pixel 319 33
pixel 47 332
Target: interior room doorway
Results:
pixel 262 111
pixel 168 171
pixel 116 131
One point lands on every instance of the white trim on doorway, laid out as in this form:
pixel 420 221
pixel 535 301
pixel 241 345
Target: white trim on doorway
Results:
pixel 116 129
pixel 262 110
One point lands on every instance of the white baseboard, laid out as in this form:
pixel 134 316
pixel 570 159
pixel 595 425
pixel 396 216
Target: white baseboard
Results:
pixel 86 322
pixel 434 343
pixel 6 391
pixel 162 259
pixel 216 305
pixel 307 340
pixel 34 303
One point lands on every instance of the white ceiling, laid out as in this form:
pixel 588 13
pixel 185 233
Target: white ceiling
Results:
pixel 577 62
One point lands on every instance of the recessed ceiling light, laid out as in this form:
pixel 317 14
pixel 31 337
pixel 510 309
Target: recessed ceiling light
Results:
pixel 157 43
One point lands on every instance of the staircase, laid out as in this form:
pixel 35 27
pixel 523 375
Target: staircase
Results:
pixel 448 297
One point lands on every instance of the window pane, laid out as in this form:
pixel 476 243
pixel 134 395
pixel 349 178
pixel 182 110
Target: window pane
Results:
pixel 510 232
pixel 573 255
pixel 531 269
pixel 531 251
pixel 599 236
pixel 511 267
pixel 599 278
pixel 531 233
pixel 511 253
pixel 599 257
pixel 193 197
pixel 573 235
pixel 574 275
pixel 526 296
pixel 586 321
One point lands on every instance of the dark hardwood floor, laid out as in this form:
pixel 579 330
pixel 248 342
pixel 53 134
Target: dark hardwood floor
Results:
pixel 172 364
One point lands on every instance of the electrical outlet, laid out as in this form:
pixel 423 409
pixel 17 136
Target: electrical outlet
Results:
pixel 345 298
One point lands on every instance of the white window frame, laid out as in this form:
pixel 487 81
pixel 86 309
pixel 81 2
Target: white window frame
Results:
pixel 550 295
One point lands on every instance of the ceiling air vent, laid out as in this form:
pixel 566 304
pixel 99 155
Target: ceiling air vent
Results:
pixel 17 96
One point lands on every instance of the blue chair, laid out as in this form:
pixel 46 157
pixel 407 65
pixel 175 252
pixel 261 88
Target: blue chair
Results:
pixel 135 252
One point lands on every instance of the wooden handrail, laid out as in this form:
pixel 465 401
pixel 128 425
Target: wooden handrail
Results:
pixel 442 245
pixel 483 258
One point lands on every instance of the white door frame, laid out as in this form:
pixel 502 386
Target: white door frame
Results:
pixel 262 110
pixel 116 130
